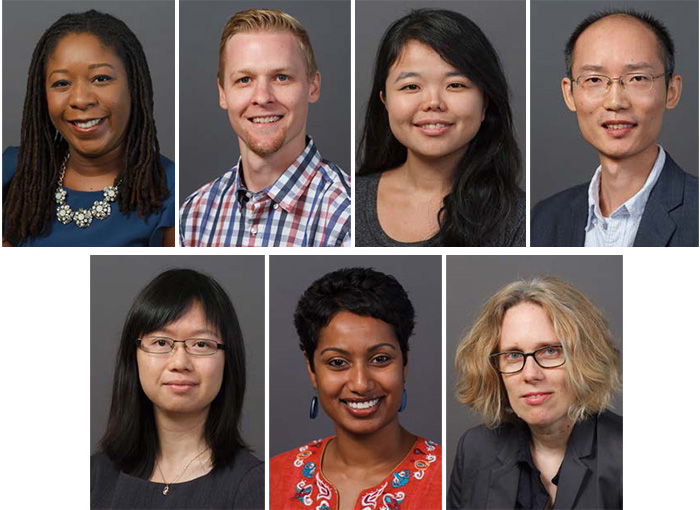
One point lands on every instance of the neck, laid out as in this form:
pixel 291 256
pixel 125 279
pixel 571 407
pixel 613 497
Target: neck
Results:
pixel 431 174
pixel 180 437
pixel 259 172
pixel 383 449
pixel 553 437
pixel 621 179
pixel 87 174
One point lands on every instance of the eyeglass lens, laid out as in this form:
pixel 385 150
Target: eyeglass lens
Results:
pixel 162 345
pixel 547 357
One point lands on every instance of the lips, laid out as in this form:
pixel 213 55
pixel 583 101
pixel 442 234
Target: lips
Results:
pixel 537 398
pixel 618 128
pixel 433 127
pixel 180 386
pixel 362 407
pixel 86 126
pixel 267 119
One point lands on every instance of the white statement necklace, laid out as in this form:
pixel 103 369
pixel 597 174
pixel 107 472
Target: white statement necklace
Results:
pixel 82 217
pixel 166 489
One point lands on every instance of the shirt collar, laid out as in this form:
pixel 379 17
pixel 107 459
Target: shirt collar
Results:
pixel 291 185
pixel 635 205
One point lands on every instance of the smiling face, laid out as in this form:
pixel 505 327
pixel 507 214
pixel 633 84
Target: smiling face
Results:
pixel 538 396
pixel 266 92
pixel 433 109
pixel 620 124
pixel 87 94
pixel 179 382
pixel 359 373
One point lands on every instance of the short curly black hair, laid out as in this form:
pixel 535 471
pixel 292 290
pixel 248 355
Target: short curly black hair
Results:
pixel 359 290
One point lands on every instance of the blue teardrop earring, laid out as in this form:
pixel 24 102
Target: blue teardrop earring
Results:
pixel 403 400
pixel 313 408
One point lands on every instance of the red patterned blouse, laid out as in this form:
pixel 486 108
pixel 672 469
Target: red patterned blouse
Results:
pixel 296 481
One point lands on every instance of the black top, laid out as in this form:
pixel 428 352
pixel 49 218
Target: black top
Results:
pixel 241 485
pixel 531 491
pixel 368 231
pixel 486 473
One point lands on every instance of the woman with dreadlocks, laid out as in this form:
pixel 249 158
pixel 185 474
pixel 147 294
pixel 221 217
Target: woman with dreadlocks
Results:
pixel 88 170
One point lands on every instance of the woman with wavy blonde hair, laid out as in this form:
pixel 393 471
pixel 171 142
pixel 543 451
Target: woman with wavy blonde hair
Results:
pixel 548 439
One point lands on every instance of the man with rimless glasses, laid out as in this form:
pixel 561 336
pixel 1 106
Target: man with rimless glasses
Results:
pixel 620 80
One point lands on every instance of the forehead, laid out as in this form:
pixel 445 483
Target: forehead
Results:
pixel 526 326
pixel 263 50
pixel 416 55
pixel 352 332
pixel 82 47
pixel 617 41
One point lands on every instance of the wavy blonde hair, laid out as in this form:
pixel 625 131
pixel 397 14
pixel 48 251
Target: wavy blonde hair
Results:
pixel 266 20
pixel 593 362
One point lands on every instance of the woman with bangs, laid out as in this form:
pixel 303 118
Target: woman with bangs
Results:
pixel 540 366
pixel 173 437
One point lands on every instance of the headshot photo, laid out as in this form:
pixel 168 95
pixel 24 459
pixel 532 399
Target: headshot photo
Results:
pixel 614 124
pixel 88 123
pixel 265 124
pixel 177 382
pixel 355 385
pixel 440 123
pixel 534 382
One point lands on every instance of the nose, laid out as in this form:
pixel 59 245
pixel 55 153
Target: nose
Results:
pixel 263 92
pixel 616 97
pixel 532 371
pixel 360 380
pixel 82 97
pixel 432 100
pixel 179 359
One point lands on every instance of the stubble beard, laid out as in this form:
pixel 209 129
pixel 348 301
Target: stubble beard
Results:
pixel 264 147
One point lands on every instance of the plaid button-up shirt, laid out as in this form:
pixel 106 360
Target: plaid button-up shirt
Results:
pixel 308 205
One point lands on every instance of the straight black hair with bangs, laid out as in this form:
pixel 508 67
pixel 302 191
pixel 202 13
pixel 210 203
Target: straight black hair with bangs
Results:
pixel 130 439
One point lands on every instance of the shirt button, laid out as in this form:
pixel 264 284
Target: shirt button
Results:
pixel 253 230
pixel 275 206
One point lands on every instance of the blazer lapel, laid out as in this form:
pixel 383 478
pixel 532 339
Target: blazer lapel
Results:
pixel 503 483
pixel 574 472
pixel 657 226
pixel 579 217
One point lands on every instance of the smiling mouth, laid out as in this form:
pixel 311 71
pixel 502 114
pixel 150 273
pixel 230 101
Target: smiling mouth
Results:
pixel 618 126
pixel 366 404
pixel 270 119
pixel 87 124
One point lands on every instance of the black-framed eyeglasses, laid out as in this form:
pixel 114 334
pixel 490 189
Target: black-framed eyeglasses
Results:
pixel 193 346
pixel 511 362
pixel 599 84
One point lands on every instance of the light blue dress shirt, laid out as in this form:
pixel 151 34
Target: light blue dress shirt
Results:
pixel 620 228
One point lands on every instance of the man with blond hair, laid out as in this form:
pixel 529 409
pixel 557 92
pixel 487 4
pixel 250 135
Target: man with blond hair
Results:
pixel 281 192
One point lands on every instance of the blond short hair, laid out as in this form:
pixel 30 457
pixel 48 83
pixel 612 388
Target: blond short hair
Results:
pixel 592 366
pixel 269 20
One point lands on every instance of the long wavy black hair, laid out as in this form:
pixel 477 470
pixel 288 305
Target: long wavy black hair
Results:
pixel 28 208
pixel 485 182
pixel 130 439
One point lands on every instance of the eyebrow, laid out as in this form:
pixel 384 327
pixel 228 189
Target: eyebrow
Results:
pixel 413 74
pixel 539 345
pixel 347 353
pixel 628 67
pixel 90 67
pixel 195 334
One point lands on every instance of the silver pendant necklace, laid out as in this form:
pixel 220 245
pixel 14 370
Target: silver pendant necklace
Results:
pixel 82 217
pixel 166 489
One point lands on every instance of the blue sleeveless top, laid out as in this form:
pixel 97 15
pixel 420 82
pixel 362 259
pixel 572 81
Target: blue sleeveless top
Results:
pixel 118 229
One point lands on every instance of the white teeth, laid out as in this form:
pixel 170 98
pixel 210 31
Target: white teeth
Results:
pixel 266 120
pixel 434 126
pixel 618 126
pixel 88 124
pixel 363 405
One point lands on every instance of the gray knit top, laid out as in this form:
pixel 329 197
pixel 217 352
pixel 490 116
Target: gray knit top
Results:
pixel 368 231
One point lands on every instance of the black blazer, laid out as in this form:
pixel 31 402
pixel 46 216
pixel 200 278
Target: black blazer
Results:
pixel 485 472
pixel 670 217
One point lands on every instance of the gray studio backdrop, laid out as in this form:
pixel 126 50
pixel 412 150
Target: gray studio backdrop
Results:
pixel 290 388
pixel 153 22
pixel 472 280
pixel 503 22
pixel 208 145
pixel 560 157
pixel 114 283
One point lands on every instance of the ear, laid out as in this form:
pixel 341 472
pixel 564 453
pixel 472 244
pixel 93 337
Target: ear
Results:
pixel 568 93
pixel 315 88
pixel 312 376
pixel 222 95
pixel 673 91
pixel 485 107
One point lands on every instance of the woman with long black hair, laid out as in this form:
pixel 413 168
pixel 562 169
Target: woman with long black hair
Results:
pixel 88 170
pixel 172 439
pixel 439 163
